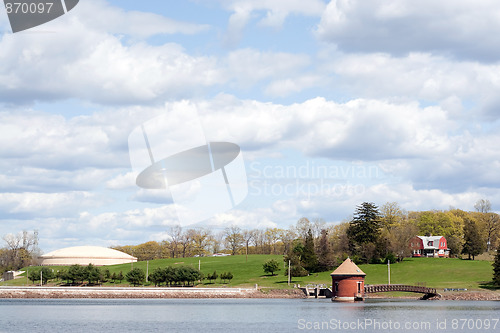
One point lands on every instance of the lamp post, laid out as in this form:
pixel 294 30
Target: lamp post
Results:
pixel 389 270
pixel 289 272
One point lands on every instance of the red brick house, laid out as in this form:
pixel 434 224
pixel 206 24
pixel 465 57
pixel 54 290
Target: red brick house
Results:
pixel 429 246
pixel 348 282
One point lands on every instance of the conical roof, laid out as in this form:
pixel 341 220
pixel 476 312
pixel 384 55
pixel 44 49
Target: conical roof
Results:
pixel 348 268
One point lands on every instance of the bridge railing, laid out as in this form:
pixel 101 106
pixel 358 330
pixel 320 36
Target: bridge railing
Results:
pixel 380 288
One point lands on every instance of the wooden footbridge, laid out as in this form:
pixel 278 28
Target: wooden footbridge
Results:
pixel 384 288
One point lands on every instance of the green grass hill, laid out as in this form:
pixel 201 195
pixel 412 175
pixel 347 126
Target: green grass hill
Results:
pixel 433 272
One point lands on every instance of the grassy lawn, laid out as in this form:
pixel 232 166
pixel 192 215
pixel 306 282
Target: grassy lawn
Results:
pixel 434 272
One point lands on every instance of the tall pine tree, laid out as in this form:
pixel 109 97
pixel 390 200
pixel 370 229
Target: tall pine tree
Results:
pixel 309 258
pixel 496 268
pixel 365 226
pixel 326 260
pixel 474 244
pixel 364 232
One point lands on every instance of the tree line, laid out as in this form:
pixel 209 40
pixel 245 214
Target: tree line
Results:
pixel 466 232
pixel 372 234
pixel 92 275
pixel 75 275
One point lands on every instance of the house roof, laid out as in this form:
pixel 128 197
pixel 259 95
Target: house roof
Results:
pixel 427 239
pixel 348 267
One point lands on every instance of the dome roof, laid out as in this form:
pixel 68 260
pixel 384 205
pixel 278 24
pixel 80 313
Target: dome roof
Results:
pixel 84 255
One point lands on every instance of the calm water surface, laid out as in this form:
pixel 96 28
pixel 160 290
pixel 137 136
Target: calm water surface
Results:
pixel 245 315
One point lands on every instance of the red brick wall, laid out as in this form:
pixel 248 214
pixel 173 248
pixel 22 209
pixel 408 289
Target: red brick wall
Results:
pixel 347 286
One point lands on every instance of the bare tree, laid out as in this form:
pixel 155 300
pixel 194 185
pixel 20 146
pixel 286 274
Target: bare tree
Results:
pixel 216 241
pixel 234 239
pixel 303 225
pixel 318 226
pixel 200 240
pixel 21 248
pixel 13 241
pixel 483 206
pixel 392 215
pixel 248 236
pixel 186 241
pixel 287 237
pixel 489 220
pixel 175 235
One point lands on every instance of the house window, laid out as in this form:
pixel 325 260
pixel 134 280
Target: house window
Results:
pixel 336 287
pixel 430 243
pixel 359 287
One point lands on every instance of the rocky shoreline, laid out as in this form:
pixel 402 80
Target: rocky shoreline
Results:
pixel 449 296
pixel 150 292
pixel 85 292
pixel 472 296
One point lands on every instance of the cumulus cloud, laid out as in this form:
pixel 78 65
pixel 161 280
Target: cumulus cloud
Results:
pixel 122 181
pixel 359 129
pixel 102 16
pixel 446 27
pixel 83 59
pixel 422 146
pixel 249 66
pixel 99 68
pixel 269 13
pixel 48 141
pixel 259 218
pixel 31 205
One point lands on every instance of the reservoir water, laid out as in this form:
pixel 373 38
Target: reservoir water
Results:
pixel 246 315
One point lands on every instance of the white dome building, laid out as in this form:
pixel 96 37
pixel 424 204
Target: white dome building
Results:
pixel 84 255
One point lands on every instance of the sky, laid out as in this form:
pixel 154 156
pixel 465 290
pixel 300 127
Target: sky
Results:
pixel 332 103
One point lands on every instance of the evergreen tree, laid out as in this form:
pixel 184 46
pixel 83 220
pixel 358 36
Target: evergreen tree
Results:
pixel 212 277
pixel 34 275
pixel 326 260
pixel 157 276
pixel 364 233
pixel 271 266
pixel 294 257
pixel 136 276
pixel 309 259
pixel 226 277
pixel 47 274
pixel 76 273
pixel 474 243
pixel 496 268
pixel 92 274
pixel 365 226
pixel 107 274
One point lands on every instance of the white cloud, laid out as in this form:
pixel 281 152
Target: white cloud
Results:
pixel 249 66
pixel 30 205
pixel 462 29
pixel 256 219
pixel 359 129
pixel 101 16
pixel 34 179
pixel 271 13
pixel 421 146
pixel 49 141
pixel 289 86
pixel 419 76
pixel 80 61
pixel 122 181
